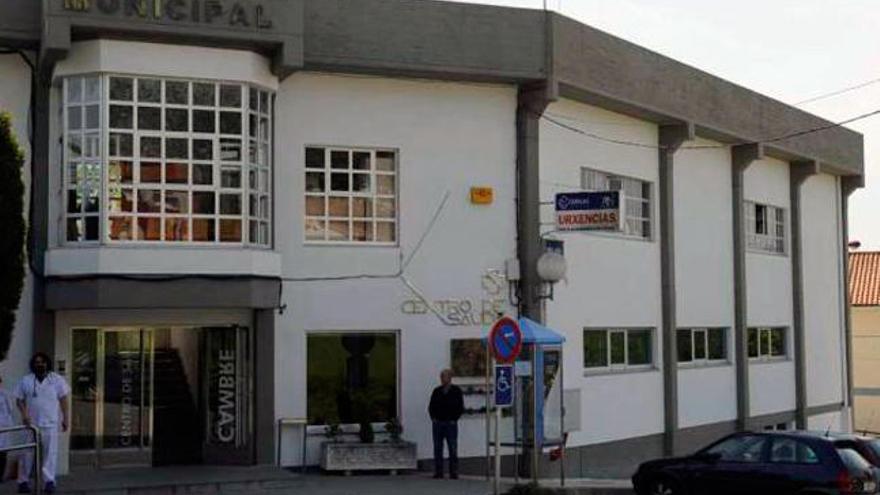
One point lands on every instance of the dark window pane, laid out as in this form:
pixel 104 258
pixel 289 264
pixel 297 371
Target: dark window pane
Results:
pixel 361 183
pixel 230 230
pixel 699 344
pixel 764 342
pixel 351 378
pixel 339 182
pixel 149 229
pixel 92 227
pixel 230 150
pixel 203 202
pixel 230 178
pixel 176 148
pixel 753 342
pixel 777 342
pixel 74 201
pixel 618 348
pixel 339 159
pixel 150 90
pixel 203 121
pixel 151 147
pixel 176 92
pixel 204 229
pixel 149 118
pixel 230 96
pixel 149 201
pixel 121 116
pixel 75 229
pixel 121 144
pixel 361 161
pixel 176 119
pixel 314 157
pixel 385 161
pixel 595 349
pixel 121 88
pixel 639 347
pixel 177 202
pixel 151 173
pixel 176 173
pixel 684 344
pixel 230 204
pixel 717 344
pixel 204 94
pixel 203 174
pixel 203 149
pixel 230 123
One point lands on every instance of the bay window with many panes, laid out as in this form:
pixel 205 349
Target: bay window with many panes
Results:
pixel 166 161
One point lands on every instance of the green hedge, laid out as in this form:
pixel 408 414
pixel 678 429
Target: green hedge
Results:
pixel 12 230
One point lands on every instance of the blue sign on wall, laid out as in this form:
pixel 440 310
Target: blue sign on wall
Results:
pixel 503 385
pixel 589 211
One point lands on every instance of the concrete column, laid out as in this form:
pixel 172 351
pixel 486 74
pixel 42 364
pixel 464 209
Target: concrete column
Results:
pixel 265 434
pixel 848 185
pixel 532 102
pixel 741 157
pixel 670 139
pixel 799 173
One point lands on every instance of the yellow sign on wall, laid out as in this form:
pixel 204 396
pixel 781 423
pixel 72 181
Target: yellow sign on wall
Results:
pixel 482 195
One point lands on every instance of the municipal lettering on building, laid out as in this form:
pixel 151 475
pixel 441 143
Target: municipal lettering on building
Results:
pixel 232 13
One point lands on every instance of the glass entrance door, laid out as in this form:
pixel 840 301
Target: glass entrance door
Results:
pixel 112 377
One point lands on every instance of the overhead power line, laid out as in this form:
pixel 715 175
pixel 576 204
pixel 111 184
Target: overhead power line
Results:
pixel 776 139
pixel 838 92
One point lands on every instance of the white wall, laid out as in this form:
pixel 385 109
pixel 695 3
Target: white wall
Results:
pixel 450 137
pixel 704 275
pixel 612 281
pixel 833 421
pixel 15 90
pixel 768 285
pixel 822 293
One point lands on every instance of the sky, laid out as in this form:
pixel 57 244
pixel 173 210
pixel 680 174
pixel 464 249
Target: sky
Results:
pixel 791 50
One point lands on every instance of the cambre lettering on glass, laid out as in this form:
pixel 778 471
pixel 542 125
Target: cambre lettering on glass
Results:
pixel 239 13
pixel 227 415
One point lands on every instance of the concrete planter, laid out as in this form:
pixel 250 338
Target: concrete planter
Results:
pixel 350 457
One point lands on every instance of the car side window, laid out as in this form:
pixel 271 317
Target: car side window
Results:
pixel 747 448
pixel 791 451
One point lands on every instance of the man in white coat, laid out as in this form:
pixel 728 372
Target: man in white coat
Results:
pixel 42 399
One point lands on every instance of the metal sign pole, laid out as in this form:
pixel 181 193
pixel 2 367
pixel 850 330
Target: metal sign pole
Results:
pixel 497 488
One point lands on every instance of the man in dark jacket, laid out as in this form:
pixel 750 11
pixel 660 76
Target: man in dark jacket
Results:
pixel 447 405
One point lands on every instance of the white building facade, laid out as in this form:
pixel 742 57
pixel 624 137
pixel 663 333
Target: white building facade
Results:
pixel 265 215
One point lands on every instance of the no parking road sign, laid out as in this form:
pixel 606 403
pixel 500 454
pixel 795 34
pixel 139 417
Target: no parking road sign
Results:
pixel 506 340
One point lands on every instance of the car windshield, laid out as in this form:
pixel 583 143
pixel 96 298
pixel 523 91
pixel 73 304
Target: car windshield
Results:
pixel 852 460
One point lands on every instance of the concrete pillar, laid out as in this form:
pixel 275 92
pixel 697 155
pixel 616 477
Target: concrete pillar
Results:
pixel 741 157
pixel 671 138
pixel 265 434
pixel 531 103
pixel 848 185
pixel 799 173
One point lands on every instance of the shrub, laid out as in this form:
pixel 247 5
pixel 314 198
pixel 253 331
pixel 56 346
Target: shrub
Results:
pixel 12 226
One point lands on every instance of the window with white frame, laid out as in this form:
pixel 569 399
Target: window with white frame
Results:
pixel 765 228
pixel 172 161
pixel 618 348
pixel 351 195
pixel 767 342
pixel 702 345
pixel 636 194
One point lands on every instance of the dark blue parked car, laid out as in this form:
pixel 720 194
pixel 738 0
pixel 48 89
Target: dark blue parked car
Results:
pixel 771 463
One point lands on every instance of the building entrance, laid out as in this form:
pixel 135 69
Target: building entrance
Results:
pixel 161 396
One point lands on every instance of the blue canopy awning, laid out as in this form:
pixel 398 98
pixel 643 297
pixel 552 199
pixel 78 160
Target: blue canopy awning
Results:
pixel 535 333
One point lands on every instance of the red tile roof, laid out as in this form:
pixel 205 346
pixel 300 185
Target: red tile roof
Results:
pixel 864 278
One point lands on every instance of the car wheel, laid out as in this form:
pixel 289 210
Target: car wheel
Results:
pixel 663 486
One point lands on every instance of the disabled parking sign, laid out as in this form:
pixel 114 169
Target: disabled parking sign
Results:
pixel 503 385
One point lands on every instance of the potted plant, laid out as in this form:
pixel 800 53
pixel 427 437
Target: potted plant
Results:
pixel 394 430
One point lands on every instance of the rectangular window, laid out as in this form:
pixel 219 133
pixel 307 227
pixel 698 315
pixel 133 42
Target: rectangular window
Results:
pixel 702 345
pixel 166 161
pixel 765 228
pixel 351 378
pixel 637 199
pixel 618 348
pixel 351 195
pixel 767 343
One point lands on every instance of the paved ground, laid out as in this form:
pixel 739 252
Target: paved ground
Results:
pixel 273 481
